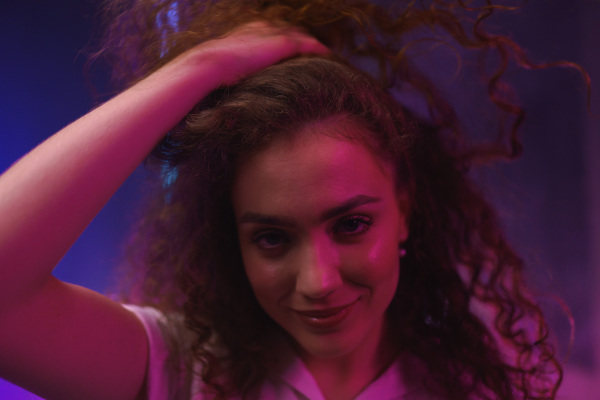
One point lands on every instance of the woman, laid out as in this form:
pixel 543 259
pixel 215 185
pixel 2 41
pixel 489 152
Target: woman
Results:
pixel 312 237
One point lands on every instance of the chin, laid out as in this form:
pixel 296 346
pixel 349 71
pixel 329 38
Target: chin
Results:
pixel 329 345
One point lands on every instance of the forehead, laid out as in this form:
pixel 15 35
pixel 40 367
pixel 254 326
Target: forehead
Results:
pixel 321 164
pixel 330 137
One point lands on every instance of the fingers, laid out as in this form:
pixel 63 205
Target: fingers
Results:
pixel 307 44
pixel 257 45
pixel 294 39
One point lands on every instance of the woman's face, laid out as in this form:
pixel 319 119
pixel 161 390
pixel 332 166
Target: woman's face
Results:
pixel 320 223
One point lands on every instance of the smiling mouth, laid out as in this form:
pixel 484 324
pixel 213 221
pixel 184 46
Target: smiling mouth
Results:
pixel 327 318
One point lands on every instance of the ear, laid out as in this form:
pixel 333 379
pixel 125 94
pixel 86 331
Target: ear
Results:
pixel 403 215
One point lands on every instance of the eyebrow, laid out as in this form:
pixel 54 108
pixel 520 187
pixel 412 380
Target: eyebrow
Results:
pixel 350 204
pixel 257 218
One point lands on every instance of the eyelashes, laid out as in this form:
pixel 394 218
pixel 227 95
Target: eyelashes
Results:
pixel 348 227
pixel 353 225
pixel 270 239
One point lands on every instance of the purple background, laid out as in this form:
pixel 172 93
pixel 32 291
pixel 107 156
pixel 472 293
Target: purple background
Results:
pixel 550 198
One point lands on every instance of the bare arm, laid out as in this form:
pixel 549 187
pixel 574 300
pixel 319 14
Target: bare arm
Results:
pixel 60 340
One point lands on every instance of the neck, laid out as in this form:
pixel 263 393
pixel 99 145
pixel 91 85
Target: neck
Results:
pixel 346 376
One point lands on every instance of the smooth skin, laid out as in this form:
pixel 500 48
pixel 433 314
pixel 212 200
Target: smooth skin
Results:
pixel 320 221
pixel 63 341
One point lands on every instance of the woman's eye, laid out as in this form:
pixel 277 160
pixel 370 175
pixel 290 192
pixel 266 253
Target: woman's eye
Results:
pixel 353 225
pixel 269 240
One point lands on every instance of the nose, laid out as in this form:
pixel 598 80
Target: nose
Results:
pixel 318 272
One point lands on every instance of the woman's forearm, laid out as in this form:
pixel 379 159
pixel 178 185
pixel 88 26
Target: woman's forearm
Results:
pixel 49 196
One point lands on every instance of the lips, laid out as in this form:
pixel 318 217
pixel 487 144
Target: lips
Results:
pixel 327 318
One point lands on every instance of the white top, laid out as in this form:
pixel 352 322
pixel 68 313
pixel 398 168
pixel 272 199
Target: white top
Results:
pixel 168 377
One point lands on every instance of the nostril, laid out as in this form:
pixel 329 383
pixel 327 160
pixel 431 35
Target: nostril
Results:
pixel 318 282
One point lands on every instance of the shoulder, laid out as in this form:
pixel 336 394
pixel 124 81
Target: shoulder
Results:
pixel 170 370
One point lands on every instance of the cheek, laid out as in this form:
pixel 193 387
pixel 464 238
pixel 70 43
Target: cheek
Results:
pixel 383 274
pixel 376 263
pixel 268 280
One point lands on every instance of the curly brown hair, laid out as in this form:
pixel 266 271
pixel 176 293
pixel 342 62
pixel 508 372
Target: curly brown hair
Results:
pixel 457 262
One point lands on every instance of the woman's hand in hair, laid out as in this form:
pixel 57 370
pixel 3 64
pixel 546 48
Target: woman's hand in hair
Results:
pixel 252 47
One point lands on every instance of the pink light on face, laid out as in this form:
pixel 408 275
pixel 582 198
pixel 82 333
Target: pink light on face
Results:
pixel 319 223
